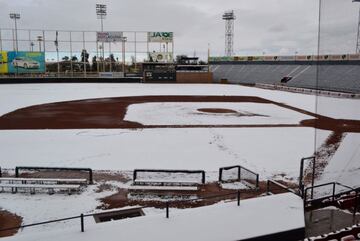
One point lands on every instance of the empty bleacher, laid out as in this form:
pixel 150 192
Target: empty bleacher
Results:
pixel 334 77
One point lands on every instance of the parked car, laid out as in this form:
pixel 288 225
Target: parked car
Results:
pixel 21 62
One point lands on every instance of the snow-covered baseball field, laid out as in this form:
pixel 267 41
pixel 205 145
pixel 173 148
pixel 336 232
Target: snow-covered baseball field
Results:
pixel 268 151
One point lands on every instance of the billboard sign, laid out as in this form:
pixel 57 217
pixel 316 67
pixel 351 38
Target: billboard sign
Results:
pixel 240 58
pixel 109 37
pixel 160 37
pixel 26 62
pixel 3 62
pixel 161 57
pixel 287 58
pixel 354 57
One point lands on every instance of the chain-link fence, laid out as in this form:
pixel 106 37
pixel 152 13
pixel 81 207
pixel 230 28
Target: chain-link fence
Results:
pixel 79 53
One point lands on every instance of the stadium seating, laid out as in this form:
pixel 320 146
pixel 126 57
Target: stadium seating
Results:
pixel 333 77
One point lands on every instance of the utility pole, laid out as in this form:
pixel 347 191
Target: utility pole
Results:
pixel 124 39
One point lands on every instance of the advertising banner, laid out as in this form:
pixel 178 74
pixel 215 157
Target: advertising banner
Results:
pixel 255 58
pixel 320 57
pixel 338 57
pixel 109 37
pixel 161 57
pixel 26 62
pixel 302 58
pixel 354 56
pixel 268 58
pixel 3 62
pixel 240 58
pixel 160 37
pixel 287 58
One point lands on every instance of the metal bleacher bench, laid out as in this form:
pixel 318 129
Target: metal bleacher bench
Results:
pixel 33 187
pixel 164 185
pixel 34 184
pixel 14 180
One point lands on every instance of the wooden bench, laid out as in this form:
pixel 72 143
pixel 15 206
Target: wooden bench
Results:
pixel 18 180
pixel 33 187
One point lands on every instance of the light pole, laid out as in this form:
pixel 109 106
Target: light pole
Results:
pixel 15 16
pixel 101 14
pixel 40 39
pixel 358 32
pixel 124 39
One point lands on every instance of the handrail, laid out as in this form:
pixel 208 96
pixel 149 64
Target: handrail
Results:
pixel 202 172
pixel 221 169
pixel 278 184
pixel 89 170
pixel 333 195
pixel 82 216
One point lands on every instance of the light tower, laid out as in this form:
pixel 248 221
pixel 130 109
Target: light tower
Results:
pixel 358 32
pixel 229 18
pixel 15 16
pixel 101 14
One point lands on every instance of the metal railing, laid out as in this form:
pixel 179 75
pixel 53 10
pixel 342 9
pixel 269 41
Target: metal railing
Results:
pixel 278 186
pixel 89 170
pixel 201 172
pixel 242 174
pixel 237 194
pixel 333 196
pixel 302 170
pixel 82 216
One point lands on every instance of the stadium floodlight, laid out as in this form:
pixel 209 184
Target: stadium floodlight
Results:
pixel 229 18
pixel 15 16
pixel 101 14
pixel 101 11
pixel 39 39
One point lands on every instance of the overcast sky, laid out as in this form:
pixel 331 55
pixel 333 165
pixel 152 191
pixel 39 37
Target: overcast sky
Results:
pixel 270 26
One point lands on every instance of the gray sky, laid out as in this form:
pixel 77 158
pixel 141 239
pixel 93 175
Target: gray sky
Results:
pixel 270 26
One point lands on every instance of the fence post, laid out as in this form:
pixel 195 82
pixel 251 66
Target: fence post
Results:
pixel 257 181
pixel 356 203
pixel 301 187
pixel 220 174
pixel 134 175
pixel 91 176
pixel 16 171
pixel 167 209
pixel 268 187
pixel 82 222
pixel 238 197
pixel 334 187
pixel 0 172
pixel 313 177
pixel 203 177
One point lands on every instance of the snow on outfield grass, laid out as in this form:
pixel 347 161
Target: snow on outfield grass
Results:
pixel 22 95
pixel 261 216
pixel 265 150
pixel 177 113
pixel 345 164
